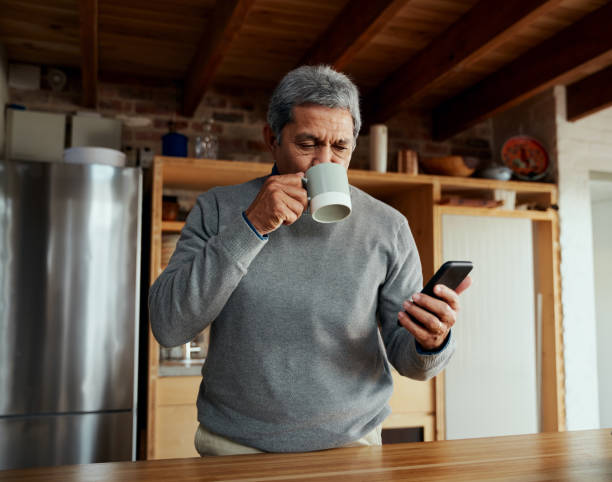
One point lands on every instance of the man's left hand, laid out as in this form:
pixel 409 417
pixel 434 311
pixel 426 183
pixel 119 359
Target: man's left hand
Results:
pixel 430 318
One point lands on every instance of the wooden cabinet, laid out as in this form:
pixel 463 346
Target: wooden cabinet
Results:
pixel 172 420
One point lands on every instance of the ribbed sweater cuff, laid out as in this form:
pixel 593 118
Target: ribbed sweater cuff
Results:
pixel 430 360
pixel 241 242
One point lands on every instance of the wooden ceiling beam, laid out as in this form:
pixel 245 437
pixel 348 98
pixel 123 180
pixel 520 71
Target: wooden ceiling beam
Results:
pixel 482 29
pixel 88 19
pixel 589 95
pixel 556 60
pixel 350 31
pixel 225 22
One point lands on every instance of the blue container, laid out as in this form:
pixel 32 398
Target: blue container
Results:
pixel 174 144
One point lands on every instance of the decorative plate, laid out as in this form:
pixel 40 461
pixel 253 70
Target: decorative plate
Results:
pixel 526 157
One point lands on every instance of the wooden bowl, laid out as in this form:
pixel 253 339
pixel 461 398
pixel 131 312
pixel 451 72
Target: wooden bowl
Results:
pixel 447 166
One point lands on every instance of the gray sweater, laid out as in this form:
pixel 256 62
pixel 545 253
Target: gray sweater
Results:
pixel 296 360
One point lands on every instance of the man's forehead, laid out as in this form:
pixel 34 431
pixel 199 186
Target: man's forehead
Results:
pixel 313 116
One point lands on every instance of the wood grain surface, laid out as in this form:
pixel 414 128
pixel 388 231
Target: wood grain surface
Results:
pixel 581 455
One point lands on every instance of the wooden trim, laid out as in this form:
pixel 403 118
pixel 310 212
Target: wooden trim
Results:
pixel 547 284
pixel 88 19
pixel 589 95
pixel 437 262
pixel 350 31
pixel 439 387
pixel 172 226
pixel 225 23
pixel 155 269
pixel 497 213
pixel 552 62
pixel 481 30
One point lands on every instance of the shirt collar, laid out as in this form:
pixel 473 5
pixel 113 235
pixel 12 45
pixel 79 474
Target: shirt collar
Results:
pixel 274 170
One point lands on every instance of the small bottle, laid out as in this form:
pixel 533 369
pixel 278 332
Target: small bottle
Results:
pixel 210 142
pixel 173 143
pixel 198 148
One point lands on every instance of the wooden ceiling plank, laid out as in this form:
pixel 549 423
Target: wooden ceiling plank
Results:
pixel 589 95
pixel 350 31
pixel 482 29
pixel 227 18
pixel 553 61
pixel 88 17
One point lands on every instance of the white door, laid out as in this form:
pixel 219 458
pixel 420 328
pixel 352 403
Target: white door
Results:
pixel 601 212
pixel 491 380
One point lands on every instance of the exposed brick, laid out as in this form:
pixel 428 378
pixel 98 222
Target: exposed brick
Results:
pixel 256 146
pixel 214 101
pixel 109 91
pixel 228 117
pixel 160 123
pixel 110 105
pixel 241 104
pixel 126 135
pixel 434 149
pixel 197 127
pixel 231 145
pixel 483 130
pixel 157 108
pixel 469 152
pixel 181 125
pixel 147 135
pixel 169 95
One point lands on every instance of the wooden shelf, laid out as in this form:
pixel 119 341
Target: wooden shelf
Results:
pixel 547 215
pixel 203 174
pixel 172 226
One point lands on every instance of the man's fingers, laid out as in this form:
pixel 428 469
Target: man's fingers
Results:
pixel 281 200
pixel 293 210
pixel 288 179
pixel 420 333
pixel 444 310
pixel 434 323
pixel 464 285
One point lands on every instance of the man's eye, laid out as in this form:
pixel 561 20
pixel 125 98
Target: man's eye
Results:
pixel 306 146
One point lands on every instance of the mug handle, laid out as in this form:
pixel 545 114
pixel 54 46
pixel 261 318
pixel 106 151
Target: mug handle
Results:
pixel 304 184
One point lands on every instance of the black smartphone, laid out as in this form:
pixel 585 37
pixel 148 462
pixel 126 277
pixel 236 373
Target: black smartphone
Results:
pixel 450 274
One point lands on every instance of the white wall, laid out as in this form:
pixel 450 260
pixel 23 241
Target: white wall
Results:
pixel 601 208
pixel 3 96
pixel 582 146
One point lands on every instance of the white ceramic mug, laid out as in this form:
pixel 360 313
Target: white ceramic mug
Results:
pixel 328 192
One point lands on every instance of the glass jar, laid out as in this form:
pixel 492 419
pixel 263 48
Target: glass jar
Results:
pixel 206 146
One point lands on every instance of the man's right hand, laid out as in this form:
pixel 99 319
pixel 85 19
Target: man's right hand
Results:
pixel 281 200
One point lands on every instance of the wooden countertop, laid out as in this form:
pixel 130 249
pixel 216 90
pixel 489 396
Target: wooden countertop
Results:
pixel 580 455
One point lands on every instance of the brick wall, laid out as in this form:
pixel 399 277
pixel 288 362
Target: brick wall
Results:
pixel 239 116
pixel 3 94
pixel 535 117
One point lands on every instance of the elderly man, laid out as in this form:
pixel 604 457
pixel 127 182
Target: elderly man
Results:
pixel 304 316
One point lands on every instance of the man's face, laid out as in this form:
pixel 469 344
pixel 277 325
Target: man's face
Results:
pixel 317 134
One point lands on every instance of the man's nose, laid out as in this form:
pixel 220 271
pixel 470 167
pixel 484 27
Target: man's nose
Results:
pixel 322 154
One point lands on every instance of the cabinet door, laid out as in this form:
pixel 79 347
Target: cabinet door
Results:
pixel 491 382
pixel 176 417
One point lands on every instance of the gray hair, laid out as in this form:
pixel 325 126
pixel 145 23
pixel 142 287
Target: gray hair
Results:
pixel 313 84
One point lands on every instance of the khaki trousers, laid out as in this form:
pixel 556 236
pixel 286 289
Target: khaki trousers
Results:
pixel 208 443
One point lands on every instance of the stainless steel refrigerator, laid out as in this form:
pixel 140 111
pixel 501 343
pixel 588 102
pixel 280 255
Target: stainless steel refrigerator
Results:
pixel 69 291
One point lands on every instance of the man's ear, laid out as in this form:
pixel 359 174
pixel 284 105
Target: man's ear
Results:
pixel 269 138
